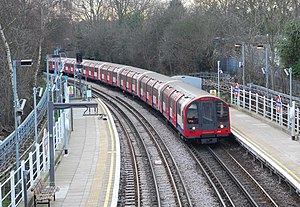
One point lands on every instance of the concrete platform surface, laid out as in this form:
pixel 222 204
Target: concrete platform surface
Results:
pixel 275 143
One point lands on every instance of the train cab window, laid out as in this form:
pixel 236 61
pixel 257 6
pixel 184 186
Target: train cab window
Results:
pixel 222 111
pixel 207 112
pixel 192 114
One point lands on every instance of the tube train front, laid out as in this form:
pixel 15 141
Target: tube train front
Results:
pixel 196 114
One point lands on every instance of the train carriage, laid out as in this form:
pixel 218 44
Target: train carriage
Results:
pixel 69 66
pixel 135 79
pixel 196 114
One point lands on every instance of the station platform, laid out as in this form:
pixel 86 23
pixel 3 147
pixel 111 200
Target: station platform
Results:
pixel 89 174
pixel 270 142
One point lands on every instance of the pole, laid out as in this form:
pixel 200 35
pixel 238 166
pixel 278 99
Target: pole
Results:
pixel 291 84
pixel 35 116
pixel 15 112
pixel 48 84
pixel 218 78
pixel 75 80
pixel 267 67
pixel 51 143
pixel 25 188
pixel 292 116
pixel 267 70
pixel 243 62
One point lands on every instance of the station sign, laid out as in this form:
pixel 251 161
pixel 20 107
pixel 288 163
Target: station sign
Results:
pixel 278 104
pixel 71 91
pixel 236 89
pixel 213 92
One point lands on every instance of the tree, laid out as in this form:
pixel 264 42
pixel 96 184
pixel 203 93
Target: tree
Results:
pixel 289 47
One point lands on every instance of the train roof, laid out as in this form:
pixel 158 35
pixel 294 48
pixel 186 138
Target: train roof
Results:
pixel 188 89
pixel 159 77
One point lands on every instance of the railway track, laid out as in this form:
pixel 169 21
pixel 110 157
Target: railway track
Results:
pixel 233 185
pixel 24 149
pixel 153 159
pixel 231 195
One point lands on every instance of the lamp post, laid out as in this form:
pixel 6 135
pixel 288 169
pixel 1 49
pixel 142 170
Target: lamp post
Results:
pixel 289 73
pixel 292 104
pixel 16 104
pixel 219 71
pixel 35 90
pixel 15 112
pixel 291 84
pixel 262 46
pixel 238 45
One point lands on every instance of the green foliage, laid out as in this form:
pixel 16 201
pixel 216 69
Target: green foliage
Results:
pixel 296 69
pixel 289 48
pixel 5 203
pixel 134 20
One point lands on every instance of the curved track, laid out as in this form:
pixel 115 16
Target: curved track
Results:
pixel 232 183
pixel 166 179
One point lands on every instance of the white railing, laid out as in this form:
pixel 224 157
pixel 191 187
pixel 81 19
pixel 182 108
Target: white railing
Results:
pixel 12 189
pixel 265 107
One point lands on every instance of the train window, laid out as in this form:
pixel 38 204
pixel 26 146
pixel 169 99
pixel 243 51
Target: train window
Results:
pixel 222 111
pixel 207 112
pixel 192 114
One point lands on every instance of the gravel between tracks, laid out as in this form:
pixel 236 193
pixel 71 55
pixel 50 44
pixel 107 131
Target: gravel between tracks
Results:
pixel 200 191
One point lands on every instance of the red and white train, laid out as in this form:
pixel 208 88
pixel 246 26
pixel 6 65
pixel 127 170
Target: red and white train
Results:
pixel 193 112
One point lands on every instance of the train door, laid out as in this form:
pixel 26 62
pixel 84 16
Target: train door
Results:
pixel 129 81
pixel 173 106
pixel 109 75
pixel 165 101
pixel 103 72
pixel 207 115
pixel 91 70
pixel 156 95
pixel 143 87
pixel 180 116
pixel 114 74
pixel 134 80
pixel 123 79
pixel 98 74
pixel 150 89
pixel 72 67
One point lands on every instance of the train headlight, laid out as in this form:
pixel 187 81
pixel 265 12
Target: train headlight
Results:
pixel 193 128
pixel 221 126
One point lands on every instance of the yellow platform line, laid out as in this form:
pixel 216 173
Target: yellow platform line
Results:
pixel 97 182
pixel 111 165
pixel 269 155
pixel 96 189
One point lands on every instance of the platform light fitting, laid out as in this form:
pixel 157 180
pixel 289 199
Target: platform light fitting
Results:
pixel 41 92
pixel 22 104
pixel 53 88
pixel 286 72
pixel 26 62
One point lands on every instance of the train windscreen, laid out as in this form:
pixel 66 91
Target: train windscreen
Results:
pixel 207 115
